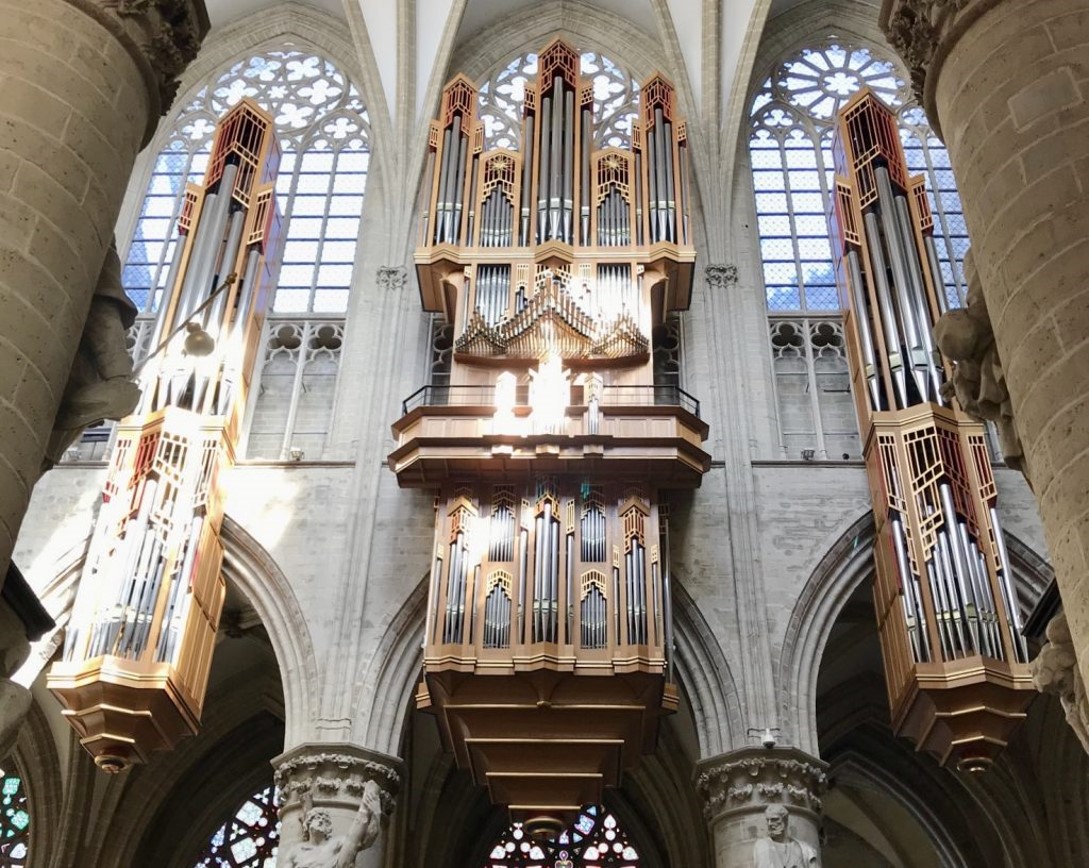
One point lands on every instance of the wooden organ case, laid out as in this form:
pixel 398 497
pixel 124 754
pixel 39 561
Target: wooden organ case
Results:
pixel 550 441
pixel 138 650
pixel 956 664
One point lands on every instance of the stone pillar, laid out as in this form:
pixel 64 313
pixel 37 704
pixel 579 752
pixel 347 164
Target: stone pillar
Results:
pixel 739 787
pixel 1006 82
pixel 84 85
pixel 333 777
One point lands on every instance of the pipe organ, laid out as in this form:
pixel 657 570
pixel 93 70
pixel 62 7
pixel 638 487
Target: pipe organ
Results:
pixel 955 660
pixel 138 649
pixel 550 447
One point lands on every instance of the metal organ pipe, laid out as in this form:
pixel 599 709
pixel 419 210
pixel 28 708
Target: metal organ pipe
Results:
pixel 888 316
pixel 527 177
pixel 660 177
pixel 671 202
pixel 568 165
pixel 1005 577
pixel 918 296
pixel 585 198
pixel 555 186
pixel 544 169
pixel 898 260
pixel 459 182
pixel 443 201
pixel 862 317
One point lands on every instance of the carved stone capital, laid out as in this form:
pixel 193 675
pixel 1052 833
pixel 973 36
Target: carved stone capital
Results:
pixel 721 276
pixel 1055 670
pixel 751 779
pixel 923 32
pixel 162 36
pixel 334 775
pixel 392 277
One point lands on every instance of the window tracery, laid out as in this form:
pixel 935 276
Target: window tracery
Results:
pixel 323 129
pixel 594 840
pixel 249 839
pixel 616 100
pixel 792 120
pixel 14 821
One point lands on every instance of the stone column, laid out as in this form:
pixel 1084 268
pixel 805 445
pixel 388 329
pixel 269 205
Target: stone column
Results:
pixel 739 787
pixel 84 83
pixel 1006 82
pixel 333 777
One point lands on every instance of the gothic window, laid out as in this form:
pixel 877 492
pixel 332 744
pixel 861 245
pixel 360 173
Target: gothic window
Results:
pixel 792 119
pixel 249 838
pixel 594 840
pixel 616 100
pixel 323 131
pixel 14 821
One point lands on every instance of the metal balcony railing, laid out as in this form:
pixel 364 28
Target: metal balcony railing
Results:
pixel 664 395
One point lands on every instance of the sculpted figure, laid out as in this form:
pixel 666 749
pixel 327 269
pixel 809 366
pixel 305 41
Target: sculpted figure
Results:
pixel 966 338
pixel 100 383
pixel 1055 670
pixel 779 849
pixel 320 848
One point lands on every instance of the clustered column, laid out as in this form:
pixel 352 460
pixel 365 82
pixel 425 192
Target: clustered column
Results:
pixel 763 807
pixel 335 798
pixel 84 84
pixel 1007 84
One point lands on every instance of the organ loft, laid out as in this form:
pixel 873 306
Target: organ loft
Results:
pixel 552 446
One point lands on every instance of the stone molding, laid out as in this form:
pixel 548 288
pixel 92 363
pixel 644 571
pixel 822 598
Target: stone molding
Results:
pixel 162 36
pixel 721 276
pixel 392 278
pixel 332 773
pixel 752 778
pixel 923 32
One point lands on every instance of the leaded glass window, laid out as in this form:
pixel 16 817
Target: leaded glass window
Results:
pixel 594 839
pixel 249 838
pixel 616 101
pixel 323 131
pixel 792 120
pixel 14 821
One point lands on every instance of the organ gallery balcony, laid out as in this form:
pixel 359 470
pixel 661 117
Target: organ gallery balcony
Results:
pixel 649 433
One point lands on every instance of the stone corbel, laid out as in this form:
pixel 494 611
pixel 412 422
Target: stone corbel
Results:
pixel 721 276
pixel 750 779
pixel 392 278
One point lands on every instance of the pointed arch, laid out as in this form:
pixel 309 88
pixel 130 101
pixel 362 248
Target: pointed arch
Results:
pixel 257 576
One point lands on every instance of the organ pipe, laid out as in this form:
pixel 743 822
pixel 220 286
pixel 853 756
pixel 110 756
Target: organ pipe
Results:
pixel 138 649
pixel 954 657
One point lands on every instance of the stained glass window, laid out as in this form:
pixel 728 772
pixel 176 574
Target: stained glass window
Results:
pixel 616 100
pixel 594 839
pixel 323 131
pixel 14 821
pixel 249 838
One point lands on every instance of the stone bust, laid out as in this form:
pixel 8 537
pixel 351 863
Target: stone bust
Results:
pixel 320 848
pixel 779 849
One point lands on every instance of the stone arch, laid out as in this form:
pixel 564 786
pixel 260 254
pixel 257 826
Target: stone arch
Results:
pixel 704 673
pixel 387 686
pixel 846 564
pixel 253 571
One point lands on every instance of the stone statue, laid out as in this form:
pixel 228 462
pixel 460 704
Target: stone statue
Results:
pixel 779 849
pixel 320 848
pixel 965 337
pixel 100 383
pixel 1055 670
